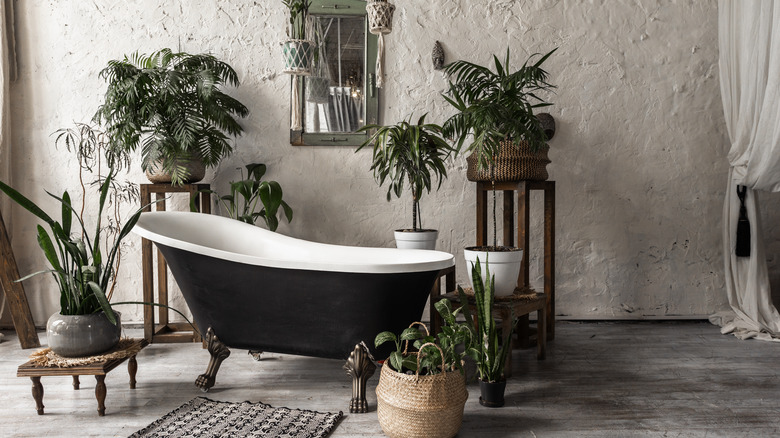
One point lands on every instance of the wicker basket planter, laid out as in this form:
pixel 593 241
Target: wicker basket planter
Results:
pixel 414 406
pixel 512 164
pixel 380 16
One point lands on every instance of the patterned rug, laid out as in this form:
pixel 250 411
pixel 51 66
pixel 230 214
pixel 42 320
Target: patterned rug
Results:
pixel 202 417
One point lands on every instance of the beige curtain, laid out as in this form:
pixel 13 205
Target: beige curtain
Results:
pixel 7 74
pixel 749 44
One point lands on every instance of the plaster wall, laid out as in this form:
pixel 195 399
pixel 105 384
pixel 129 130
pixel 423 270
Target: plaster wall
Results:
pixel 638 159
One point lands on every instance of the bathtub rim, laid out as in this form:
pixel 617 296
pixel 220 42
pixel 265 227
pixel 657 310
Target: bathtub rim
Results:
pixel 434 260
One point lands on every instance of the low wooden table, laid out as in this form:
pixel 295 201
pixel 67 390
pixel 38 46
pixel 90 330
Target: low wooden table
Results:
pixel 516 306
pixel 97 369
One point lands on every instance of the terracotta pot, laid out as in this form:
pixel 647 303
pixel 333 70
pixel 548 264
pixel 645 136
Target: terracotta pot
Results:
pixel 82 335
pixel 195 168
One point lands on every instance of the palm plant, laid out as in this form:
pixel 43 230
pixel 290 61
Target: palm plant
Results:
pixel 406 152
pixel 172 105
pixel 248 194
pixel 495 108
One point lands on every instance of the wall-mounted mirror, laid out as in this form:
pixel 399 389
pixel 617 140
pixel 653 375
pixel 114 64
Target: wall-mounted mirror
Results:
pixel 340 96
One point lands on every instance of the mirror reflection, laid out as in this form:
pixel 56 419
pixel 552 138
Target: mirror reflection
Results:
pixel 335 90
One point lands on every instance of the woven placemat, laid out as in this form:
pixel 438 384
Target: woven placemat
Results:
pixel 520 293
pixel 46 358
pixel 205 418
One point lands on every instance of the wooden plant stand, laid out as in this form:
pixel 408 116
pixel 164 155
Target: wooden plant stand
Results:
pixel 164 331
pixel 97 369
pixel 506 310
pixel 523 189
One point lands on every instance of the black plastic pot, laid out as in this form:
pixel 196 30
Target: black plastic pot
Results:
pixel 492 393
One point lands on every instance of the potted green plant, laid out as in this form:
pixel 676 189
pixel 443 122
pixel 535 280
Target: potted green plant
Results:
pixel 84 260
pixel 413 153
pixel 489 351
pixel 495 112
pixel 250 193
pixel 422 393
pixel 172 106
pixel 297 49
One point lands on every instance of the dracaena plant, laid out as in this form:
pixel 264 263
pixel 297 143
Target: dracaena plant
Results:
pixel 408 153
pixel 251 193
pixel 172 106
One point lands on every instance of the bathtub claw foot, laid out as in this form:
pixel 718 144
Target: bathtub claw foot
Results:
pixel 218 352
pixel 256 354
pixel 360 366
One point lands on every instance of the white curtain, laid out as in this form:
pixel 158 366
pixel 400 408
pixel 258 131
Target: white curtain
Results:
pixel 7 74
pixel 749 43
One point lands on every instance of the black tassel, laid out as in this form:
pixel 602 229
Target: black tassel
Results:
pixel 743 226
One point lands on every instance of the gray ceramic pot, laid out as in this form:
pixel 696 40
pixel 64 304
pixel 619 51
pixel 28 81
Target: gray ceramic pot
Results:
pixel 82 335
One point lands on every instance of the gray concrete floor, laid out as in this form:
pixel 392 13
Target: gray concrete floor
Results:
pixel 673 379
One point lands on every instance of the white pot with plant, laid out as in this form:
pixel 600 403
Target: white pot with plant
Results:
pixel 496 109
pixel 171 105
pixel 414 154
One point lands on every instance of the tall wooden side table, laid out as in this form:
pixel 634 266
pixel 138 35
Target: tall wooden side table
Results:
pixel 523 189
pixel 164 330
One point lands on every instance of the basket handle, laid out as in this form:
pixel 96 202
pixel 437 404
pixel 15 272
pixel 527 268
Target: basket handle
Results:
pixel 419 353
pixel 406 344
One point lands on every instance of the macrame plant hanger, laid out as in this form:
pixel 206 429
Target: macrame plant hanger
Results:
pixel 380 22
pixel 743 226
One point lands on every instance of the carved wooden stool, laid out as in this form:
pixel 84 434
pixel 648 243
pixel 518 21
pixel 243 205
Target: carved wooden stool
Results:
pixel 97 369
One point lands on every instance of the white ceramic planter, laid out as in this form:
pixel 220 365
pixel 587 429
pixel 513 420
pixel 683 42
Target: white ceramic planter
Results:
pixel 504 265
pixel 82 335
pixel 423 239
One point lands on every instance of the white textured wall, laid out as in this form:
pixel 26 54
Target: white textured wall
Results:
pixel 639 157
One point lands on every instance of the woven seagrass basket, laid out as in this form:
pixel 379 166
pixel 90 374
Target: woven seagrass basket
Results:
pixel 414 406
pixel 513 163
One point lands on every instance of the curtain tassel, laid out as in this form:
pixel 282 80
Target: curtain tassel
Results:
pixel 743 226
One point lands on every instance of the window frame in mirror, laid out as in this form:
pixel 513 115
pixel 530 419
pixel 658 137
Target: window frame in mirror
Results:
pixel 347 8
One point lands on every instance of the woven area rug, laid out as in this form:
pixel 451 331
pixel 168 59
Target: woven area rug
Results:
pixel 202 417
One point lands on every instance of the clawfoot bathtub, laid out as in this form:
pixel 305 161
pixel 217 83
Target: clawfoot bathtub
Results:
pixel 253 289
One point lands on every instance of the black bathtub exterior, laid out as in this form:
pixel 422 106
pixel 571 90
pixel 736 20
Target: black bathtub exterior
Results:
pixel 302 312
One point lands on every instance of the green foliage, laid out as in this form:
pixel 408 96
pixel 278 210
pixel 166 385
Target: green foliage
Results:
pixel 407 153
pixel 172 106
pixel 249 193
pixel 452 335
pixel 299 10
pixel 495 106
pixel 488 351
pixel 82 271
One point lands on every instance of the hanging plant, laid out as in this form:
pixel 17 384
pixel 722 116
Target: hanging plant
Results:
pixel 380 22
pixel 297 50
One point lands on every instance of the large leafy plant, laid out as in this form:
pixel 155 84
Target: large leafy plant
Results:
pixel 452 335
pixel 496 106
pixel 488 350
pixel 83 271
pixel 408 153
pixel 172 106
pixel 250 193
